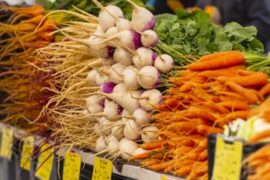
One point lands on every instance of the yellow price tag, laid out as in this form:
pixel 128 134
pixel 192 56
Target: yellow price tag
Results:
pixel 228 157
pixel 45 162
pixel 163 178
pixel 102 169
pixel 72 166
pixel 27 152
pixel 7 143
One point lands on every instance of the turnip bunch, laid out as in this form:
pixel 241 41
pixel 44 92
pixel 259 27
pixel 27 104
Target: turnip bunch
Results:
pixel 127 91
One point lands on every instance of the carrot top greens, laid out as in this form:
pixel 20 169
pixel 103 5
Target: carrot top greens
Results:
pixel 195 34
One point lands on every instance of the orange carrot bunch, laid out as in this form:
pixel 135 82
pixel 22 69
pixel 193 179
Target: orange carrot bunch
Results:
pixel 258 164
pixel 26 30
pixel 211 93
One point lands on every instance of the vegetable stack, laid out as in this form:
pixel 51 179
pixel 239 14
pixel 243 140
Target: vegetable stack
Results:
pixel 212 92
pixel 23 84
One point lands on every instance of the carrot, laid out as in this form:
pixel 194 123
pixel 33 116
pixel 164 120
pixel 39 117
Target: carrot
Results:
pixel 215 55
pixel 161 166
pixel 235 105
pixel 260 136
pixel 255 79
pixel 149 162
pixel 152 145
pixel 186 87
pixel 182 126
pixel 232 116
pixel 247 93
pixel 30 11
pixel 219 62
pixel 184 171
pixel 232 71
pixel 204 129
pixel 264 91
pixel 140 156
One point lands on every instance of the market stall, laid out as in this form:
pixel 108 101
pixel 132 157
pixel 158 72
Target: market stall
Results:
pixel 107 90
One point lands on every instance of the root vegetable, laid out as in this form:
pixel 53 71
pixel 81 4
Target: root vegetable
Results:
pixel 130 78
pixel 123 24
pixel 150 99
pixel 164 63
pixel 148 77
pixel 149 38
pixel 143 57
pixel 149 134
pixel 107 87
pixel 141 116
pixel 100 144
pixel 131 130
pixel 122 56
pixel 95 103
pixel 127 148
pixel 107 16
pixel 142 19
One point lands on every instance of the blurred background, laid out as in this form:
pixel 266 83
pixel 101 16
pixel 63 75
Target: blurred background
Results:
pixel 245 12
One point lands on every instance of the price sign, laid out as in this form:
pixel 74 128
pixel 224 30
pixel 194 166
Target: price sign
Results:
pixel 163 178
pixel 27 152
pixel 228 157
pixel 72 166
pixel 7 142
pixel 45 162
pixel 102 169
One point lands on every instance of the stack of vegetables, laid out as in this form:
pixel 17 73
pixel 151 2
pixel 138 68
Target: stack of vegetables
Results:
pixel 23 85
pixel 126 87
pixel 212 92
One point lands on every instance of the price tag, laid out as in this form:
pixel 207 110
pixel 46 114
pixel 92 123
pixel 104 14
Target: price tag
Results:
pixel 7 143
pixel 27 152
pixel 228 157
pixel 72 166
pixel 163 178
pixel 45 162
pixel 102 169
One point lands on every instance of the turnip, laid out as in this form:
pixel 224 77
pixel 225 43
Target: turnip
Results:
pixel 112 110
pixel 111 31
pixel 127 38
pixel 123 24
pixel 116 73
pixel 164 63
pixel 127 100
pixel 107 87
pixel 150 99
pixel 149 134
pixel 120 88
pixel 101 78
pixel 149 38
pixel 143 57
pixel 142 19
pixel 100 144
pixel 105 126
pixel 122 56
pixel 141 117
pixel 118 130
pixel 131 130
pixel 107 16
pixel 113 147
pixel 127 148
pixel 95 103
pixel 130 78
pixel 91 77
pixel 148 77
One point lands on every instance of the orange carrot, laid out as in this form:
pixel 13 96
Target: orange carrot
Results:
pixel 222 61
pixel 204 129
pixel 140 156
pixel 232 116
pixel 247 93
pixel 235 105
pixel 264 91
pixel 255 79
pixel 215 55
pixel 161 166
pixel 260 136
pixel 152 145
pixel 184 171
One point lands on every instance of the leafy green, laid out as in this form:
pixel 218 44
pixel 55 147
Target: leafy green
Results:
pixel 194 34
